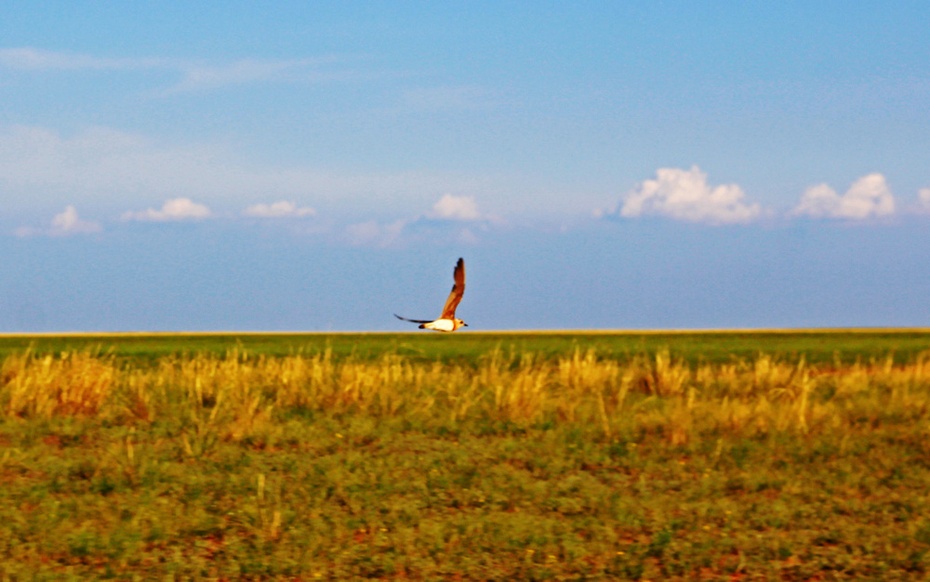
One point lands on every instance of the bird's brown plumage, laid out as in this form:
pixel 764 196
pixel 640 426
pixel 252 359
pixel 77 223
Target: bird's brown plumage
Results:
pixel 458 289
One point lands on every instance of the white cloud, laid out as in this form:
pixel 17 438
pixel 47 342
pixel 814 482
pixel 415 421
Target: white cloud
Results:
pixel 172 210
pixel 282 209
pixel 451 207
pixel 923 197
pixel 66 223
pixel 686 195
pixel 869 196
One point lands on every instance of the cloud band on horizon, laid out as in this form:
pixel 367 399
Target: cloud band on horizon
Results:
pixel 172 210
pixel 65 223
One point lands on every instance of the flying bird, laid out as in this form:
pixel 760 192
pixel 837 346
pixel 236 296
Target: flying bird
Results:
pixel 447 321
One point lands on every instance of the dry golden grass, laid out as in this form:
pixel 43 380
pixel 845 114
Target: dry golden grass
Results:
pixel 72 384
pixel 236 395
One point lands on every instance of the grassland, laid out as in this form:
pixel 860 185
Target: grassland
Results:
pixel 817 346
pixel 778 455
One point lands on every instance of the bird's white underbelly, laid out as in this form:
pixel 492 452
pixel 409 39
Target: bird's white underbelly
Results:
pixel 441 325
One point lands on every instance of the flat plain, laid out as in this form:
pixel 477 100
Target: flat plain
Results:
pixel 796 455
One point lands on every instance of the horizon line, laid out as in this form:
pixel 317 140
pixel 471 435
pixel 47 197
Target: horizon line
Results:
pixel 617 331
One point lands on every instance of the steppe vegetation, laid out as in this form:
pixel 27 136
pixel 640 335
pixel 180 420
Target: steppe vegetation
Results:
pixel 580 461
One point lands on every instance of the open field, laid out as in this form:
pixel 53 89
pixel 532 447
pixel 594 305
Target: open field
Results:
pixel 817 346
pixel 745 455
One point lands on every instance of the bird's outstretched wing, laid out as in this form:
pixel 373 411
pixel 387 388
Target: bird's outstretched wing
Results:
pixel 458 289
pixel 413 320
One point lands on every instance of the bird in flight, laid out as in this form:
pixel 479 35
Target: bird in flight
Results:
pixel 447 321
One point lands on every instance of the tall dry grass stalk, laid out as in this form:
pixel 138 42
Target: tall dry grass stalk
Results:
pixel 74 383
pixel 238 395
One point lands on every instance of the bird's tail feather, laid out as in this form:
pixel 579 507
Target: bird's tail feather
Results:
pixel 413 320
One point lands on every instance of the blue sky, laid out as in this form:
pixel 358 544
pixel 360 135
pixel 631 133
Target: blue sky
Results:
pixel 317 166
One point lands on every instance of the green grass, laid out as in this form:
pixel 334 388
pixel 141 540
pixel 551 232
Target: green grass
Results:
pixel 351 497
pixel 474 456
pixel 694 347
